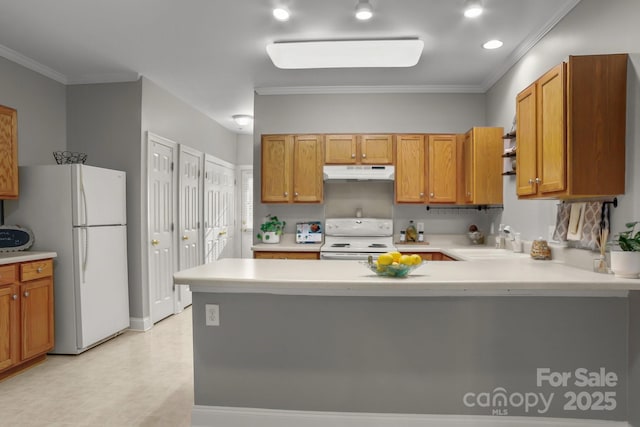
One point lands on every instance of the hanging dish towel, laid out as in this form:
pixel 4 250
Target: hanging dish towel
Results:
pixel 562 222
pixel 576 221
pixel 591 225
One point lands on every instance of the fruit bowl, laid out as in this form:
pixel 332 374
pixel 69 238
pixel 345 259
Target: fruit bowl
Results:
pixel 392 270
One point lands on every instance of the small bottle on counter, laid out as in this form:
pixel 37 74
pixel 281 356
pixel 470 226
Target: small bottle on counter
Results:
pixel 420 236
pixel 412 234
pixel 403 236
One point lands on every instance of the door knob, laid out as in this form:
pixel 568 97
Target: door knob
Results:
pixel 185 237
pixel 222 233
pixel 155 242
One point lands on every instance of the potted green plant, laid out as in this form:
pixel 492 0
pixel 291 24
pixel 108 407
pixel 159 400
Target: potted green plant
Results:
pixel 626 262
pixel 271 230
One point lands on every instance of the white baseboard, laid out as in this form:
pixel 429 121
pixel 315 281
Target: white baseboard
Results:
pixel 215 416
pixel 140 324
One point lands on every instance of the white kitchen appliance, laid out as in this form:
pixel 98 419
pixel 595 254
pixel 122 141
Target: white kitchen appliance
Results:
pixel 358 172
pixel 79 212
pixel 356 238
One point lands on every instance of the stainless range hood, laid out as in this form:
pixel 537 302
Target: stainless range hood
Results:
pixel 359 173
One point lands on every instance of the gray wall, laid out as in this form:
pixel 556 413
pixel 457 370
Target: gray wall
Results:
pixel 634 359
pixel 103 120
pixel 403 355
pixel 40 103
pixel 365 113
pixel 592 27
pixel 244 149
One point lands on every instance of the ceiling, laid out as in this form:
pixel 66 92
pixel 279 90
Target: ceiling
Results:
pixel 211 53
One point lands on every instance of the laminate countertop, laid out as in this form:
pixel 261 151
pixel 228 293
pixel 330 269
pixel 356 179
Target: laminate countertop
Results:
pixel 481 271
pixel 24 256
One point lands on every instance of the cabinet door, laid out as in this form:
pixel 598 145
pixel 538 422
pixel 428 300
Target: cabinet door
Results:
pixel 552 147
pixel 340 149
pixel 286 255
pixel 442 169
pixel 469 170
pixel 526 165
pixel 8 153
pixel 9 326
pixel 37 317
pixel 276 168
pixel 376 149
pixel 307 169
pixel 410 172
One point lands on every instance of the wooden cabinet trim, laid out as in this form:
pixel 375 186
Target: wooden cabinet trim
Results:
pixel 8 153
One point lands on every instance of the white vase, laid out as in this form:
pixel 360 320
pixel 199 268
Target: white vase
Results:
pixel 270 237
pixel 625 264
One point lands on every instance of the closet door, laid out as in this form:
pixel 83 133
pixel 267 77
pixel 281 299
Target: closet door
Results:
pixel 219 206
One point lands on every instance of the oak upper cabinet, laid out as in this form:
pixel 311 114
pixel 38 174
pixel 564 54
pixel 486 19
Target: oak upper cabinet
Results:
pixel 8 153
pixel 442 169
pixel 358 149
pixel 483 147
pixel 26 314
pixel 427 168
pixel 410 182
pixel 571 126
pixel 292 168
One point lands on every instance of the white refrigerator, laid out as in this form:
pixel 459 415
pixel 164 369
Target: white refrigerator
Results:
pixel 79 212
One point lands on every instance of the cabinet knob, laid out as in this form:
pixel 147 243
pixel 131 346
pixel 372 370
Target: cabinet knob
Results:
pixel 14 297
pixel 185 237
pixel 431 195
pixel 26 293
pixel 295 194
pixel 39 269
pixel 286 194
pixel 468 194
pixel 538 180
pixel 155 242
pixel 421 194
pixel 353 156
pixel 531 181
pixel 364 156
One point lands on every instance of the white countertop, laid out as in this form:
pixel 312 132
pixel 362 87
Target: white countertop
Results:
pixel 486 271
pixel 24 256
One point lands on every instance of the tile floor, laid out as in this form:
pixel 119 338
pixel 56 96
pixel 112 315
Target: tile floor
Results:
pixel 135 379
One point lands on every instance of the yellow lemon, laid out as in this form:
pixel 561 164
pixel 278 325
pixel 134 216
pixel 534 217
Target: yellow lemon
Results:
pixel 416 259
pixel 385 259
pixel 406 260
pixel 396 255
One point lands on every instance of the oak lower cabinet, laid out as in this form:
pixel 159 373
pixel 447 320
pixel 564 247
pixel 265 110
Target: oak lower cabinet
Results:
pixel 285 255
pixel 483 148
pixel 426 169
pixel 292 168
pixel 26 314
pixel 351 149
pixel 571 126
pixel 8 153
pixel 430 256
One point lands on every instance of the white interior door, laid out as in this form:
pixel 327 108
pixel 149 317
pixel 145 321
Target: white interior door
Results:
pixel 189 208
pixel 246 211
pixel 161 244
pixel 219 209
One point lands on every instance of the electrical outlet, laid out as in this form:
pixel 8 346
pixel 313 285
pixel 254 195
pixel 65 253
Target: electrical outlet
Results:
pixel 212 314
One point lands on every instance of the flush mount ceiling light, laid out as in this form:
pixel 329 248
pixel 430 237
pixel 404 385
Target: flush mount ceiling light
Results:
pixel 346 53
pixel 492 44
pixel 472 8
pixel 364 11
pixel 242 119
pixel 281 13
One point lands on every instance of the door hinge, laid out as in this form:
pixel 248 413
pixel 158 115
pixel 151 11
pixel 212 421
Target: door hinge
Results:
pixel 198 173
pixel 171 166
pixel 171 226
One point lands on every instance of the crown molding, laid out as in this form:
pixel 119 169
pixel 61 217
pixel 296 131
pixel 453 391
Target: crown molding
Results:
pixel 526 46
pixel 122 77
pixel 29 63
pixel 334 90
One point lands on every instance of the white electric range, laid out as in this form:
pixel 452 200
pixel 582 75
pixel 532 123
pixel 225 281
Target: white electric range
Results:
pixel 356 238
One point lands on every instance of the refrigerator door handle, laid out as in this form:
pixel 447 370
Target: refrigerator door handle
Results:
pixel 85 253
pixel 83 199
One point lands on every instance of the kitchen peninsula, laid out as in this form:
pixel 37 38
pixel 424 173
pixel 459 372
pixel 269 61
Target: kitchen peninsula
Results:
pixel 308 343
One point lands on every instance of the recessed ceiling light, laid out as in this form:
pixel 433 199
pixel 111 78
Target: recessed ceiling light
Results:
pixel 242 119
pixel 346 53
pixel 472 8
pixel 492 44
pixel 364 10
pixel 281 13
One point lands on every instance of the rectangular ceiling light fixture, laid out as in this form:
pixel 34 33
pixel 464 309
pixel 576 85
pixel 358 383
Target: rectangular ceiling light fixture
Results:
pixel 346 53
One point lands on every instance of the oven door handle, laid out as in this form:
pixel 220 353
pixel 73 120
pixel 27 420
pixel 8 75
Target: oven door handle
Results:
pixel 358 256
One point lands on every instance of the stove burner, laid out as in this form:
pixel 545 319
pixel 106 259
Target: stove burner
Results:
pixel 340 245
pixel 377 245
